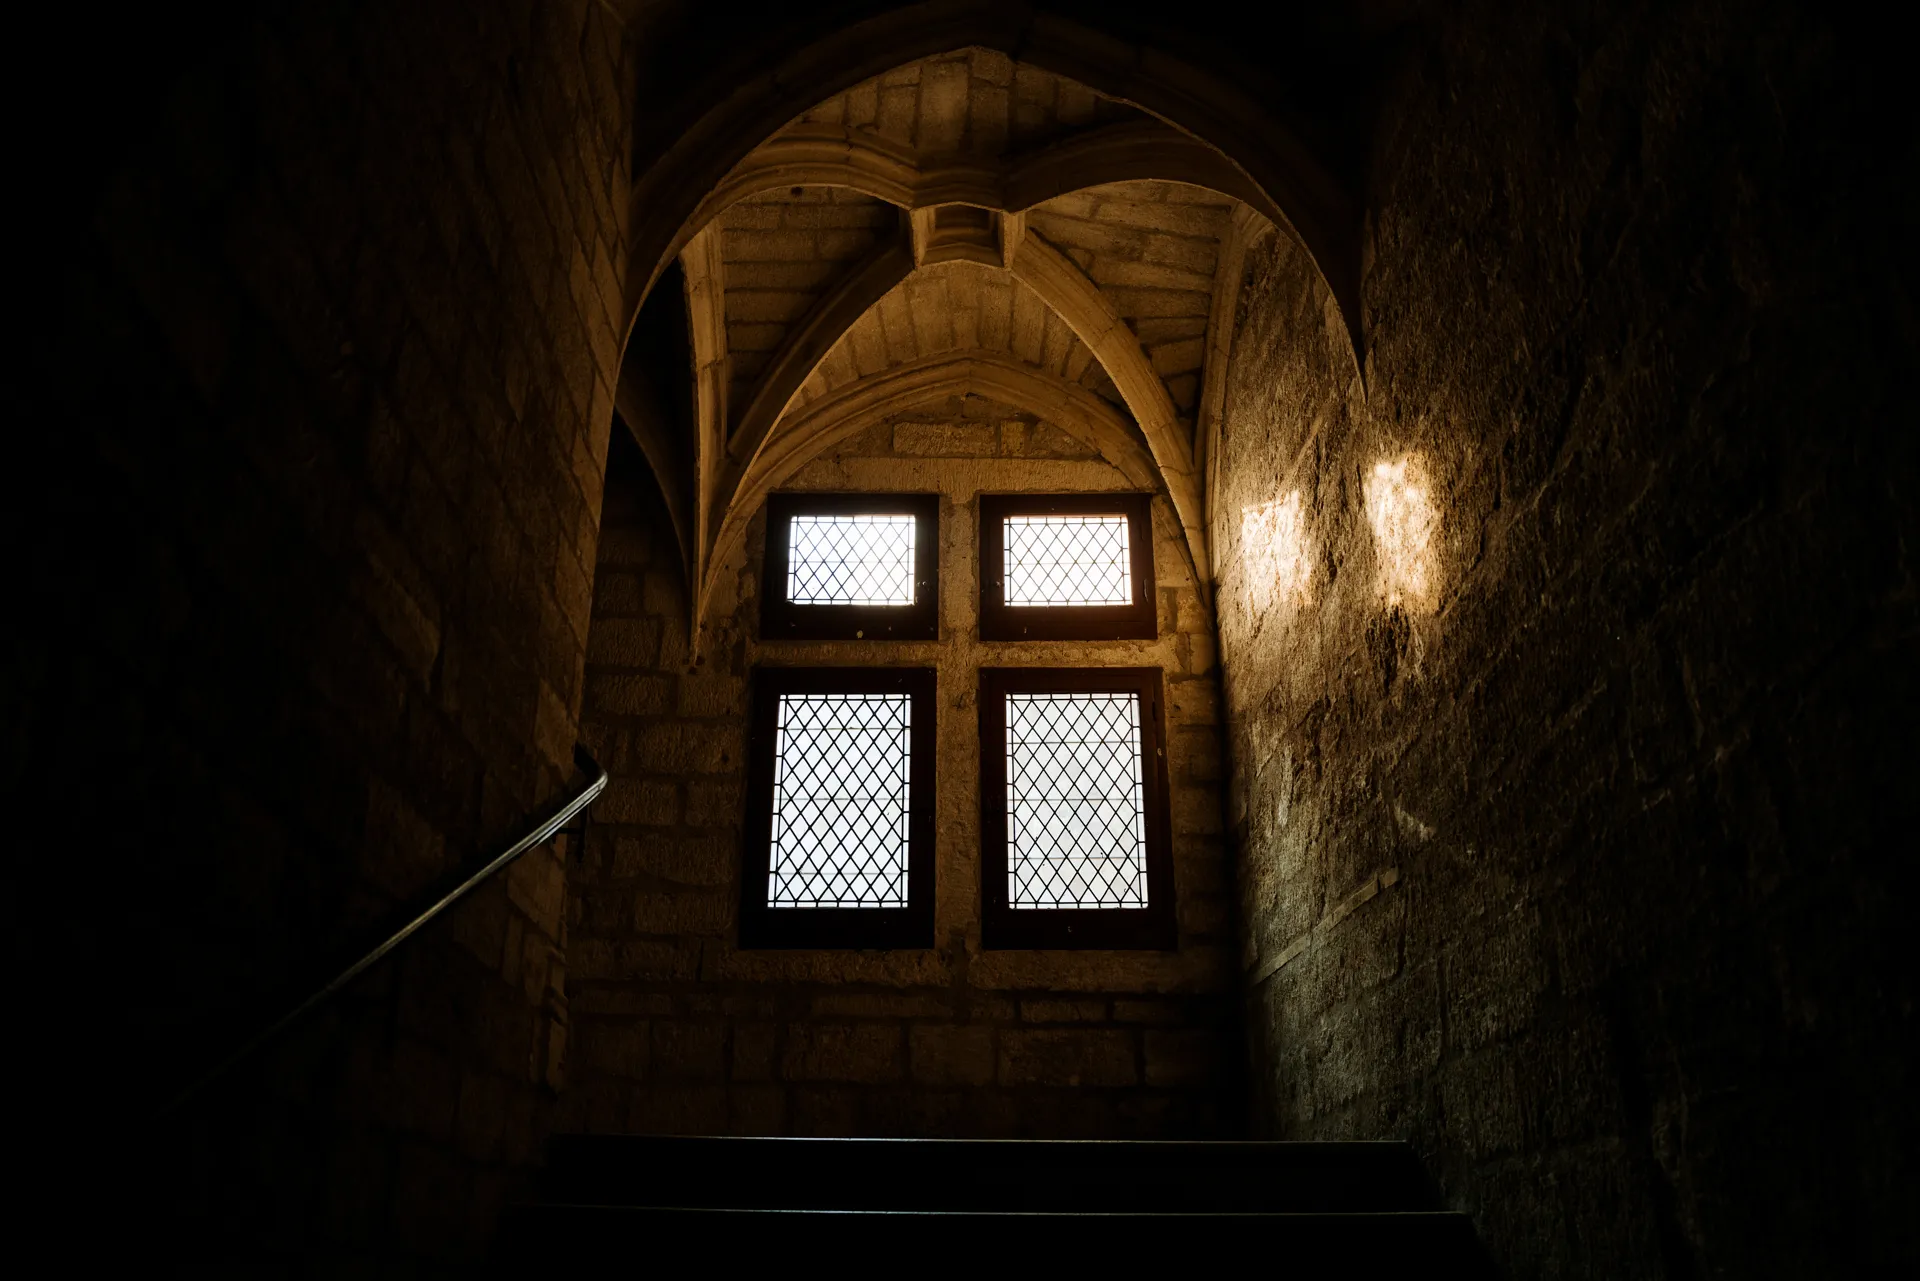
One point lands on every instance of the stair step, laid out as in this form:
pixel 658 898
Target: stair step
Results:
pixel 1361 1245
pixel 985 1176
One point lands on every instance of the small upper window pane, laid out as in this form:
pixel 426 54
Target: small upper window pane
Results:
pixel 851 560
pixel 840 801
pixel 1076 809
pixel 1068 560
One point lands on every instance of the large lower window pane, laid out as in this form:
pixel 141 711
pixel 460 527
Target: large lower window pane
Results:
pixel 840 801
pixel 851 560
pixel 1076 817
pixel 1068 560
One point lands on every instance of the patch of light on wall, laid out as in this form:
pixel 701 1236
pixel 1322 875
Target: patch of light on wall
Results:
pixel 1405 524
pixel 1275 555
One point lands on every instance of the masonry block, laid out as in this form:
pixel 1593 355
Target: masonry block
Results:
pixel 864 1052
pixel 952 1055
pixel 1078 1058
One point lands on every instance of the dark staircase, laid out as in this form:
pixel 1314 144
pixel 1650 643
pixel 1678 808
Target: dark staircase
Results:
pixel 874 1207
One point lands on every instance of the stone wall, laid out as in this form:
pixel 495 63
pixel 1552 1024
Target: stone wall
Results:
pixel 678 1029
pixel 1570 669
pixel 331 360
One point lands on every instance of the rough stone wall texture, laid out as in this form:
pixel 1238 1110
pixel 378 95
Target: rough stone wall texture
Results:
pixel 335 340
pixel 1570 672
pixel 677 1029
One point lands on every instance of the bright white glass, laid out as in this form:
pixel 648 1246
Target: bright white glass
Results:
pixel 840 801
pixel 1068 560
pixel 850 560
pixel 1076 813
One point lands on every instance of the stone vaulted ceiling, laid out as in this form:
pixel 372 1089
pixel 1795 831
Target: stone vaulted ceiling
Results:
pixel 965 224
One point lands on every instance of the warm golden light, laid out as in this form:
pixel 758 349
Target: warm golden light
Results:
pixel 1404 525
pixel 1276 554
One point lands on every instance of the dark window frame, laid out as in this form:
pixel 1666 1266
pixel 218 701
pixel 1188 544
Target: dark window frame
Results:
pixel 781 619
pixel 911 926
pixel 1000 621
pixel 1154 927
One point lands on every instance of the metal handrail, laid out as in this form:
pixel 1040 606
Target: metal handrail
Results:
pixel 545 831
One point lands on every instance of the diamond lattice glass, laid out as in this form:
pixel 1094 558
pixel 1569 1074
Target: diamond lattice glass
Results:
pixel 1068 560
pixel 1076 814
pixel 850 560
pixel 840 801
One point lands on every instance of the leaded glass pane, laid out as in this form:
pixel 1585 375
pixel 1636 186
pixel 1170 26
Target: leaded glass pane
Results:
pixel 850 560
pixel 840 801
pixel 1076 806
pixel 1068 560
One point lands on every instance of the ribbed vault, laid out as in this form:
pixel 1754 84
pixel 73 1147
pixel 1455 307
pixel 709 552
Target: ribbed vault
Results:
pixel 964 224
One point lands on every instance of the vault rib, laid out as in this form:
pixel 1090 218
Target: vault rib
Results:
pixel 819 154
pixel 850 298
pixel 1246 227
pixel 816 155
pixel 1078 301
pixel 1058 289
pixel 705 271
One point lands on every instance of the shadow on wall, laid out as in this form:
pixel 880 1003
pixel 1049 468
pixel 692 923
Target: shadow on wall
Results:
pixel 1572 666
